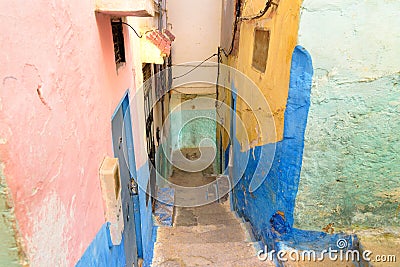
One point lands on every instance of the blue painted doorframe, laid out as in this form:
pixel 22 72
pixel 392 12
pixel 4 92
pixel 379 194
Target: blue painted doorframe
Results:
pixel 123 147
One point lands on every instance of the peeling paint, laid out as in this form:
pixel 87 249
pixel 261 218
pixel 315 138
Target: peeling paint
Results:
pixel 274 82
pixel 351 164
pixel 39 92
pixel 48 245
pixel 11 253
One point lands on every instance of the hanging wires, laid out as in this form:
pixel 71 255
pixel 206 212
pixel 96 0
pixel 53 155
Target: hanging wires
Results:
pixel 238 18
pixel 268 4
pixel 186 73
pixel 218 73
pixel 238 7
pixel 140 36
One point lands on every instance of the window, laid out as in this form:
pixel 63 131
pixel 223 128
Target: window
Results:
pixel 260 49
pixel 118 38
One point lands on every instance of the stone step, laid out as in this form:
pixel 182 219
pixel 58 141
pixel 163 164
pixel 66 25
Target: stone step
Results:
pixel 247 262
pixel 201 234
pixel 210 210
pixel 196 221
pixel 207 254
pixel 214 208
pixel 214 220
pixel 207 215
pixel 206 235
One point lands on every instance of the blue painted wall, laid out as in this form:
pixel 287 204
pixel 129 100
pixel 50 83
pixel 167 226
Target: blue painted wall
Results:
pixel 148 228
pixel 270 208
pixel 101 252
pixel 164 167
pixel 279 189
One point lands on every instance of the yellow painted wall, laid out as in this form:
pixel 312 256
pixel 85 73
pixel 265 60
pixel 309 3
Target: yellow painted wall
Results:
pixel 283 23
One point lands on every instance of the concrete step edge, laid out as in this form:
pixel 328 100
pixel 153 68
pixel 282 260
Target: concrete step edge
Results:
pixel 245 244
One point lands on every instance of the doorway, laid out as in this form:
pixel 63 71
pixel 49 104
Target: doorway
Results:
pixel 124 150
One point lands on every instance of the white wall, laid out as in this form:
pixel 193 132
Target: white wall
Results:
pixel 196 25
pixel 352 39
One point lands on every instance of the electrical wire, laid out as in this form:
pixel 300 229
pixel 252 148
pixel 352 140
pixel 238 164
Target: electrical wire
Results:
pixel 238 18
pixel 238 7
pixel 186 73
pixel 140 36
pixel 217 81
pixel 268 4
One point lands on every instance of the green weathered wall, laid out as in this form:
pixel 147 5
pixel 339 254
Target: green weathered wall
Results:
pixel 8 245
pixel 193 119
pixel 200 128
pixel 193 123
pixel 351 162
pixel 351 173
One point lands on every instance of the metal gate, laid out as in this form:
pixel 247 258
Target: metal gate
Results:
pixel 148 88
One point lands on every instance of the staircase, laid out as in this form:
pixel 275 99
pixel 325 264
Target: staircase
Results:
pixel 209 235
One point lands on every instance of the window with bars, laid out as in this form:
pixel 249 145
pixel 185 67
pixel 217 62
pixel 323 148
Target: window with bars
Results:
pixel 118 39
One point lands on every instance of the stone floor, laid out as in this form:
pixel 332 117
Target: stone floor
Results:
pixel 208 235
pixel 384 244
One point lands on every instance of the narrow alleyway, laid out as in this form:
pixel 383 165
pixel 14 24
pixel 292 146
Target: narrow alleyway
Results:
pixel 208 235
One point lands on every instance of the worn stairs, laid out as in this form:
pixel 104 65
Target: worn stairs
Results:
pixel 208 235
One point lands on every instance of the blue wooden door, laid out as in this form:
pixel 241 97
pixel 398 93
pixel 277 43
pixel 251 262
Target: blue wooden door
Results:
pixel 123 150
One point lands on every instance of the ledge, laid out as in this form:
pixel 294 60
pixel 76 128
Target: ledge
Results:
pixel 136 8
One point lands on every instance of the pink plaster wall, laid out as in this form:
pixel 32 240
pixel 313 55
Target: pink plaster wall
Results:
pixel 59 88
